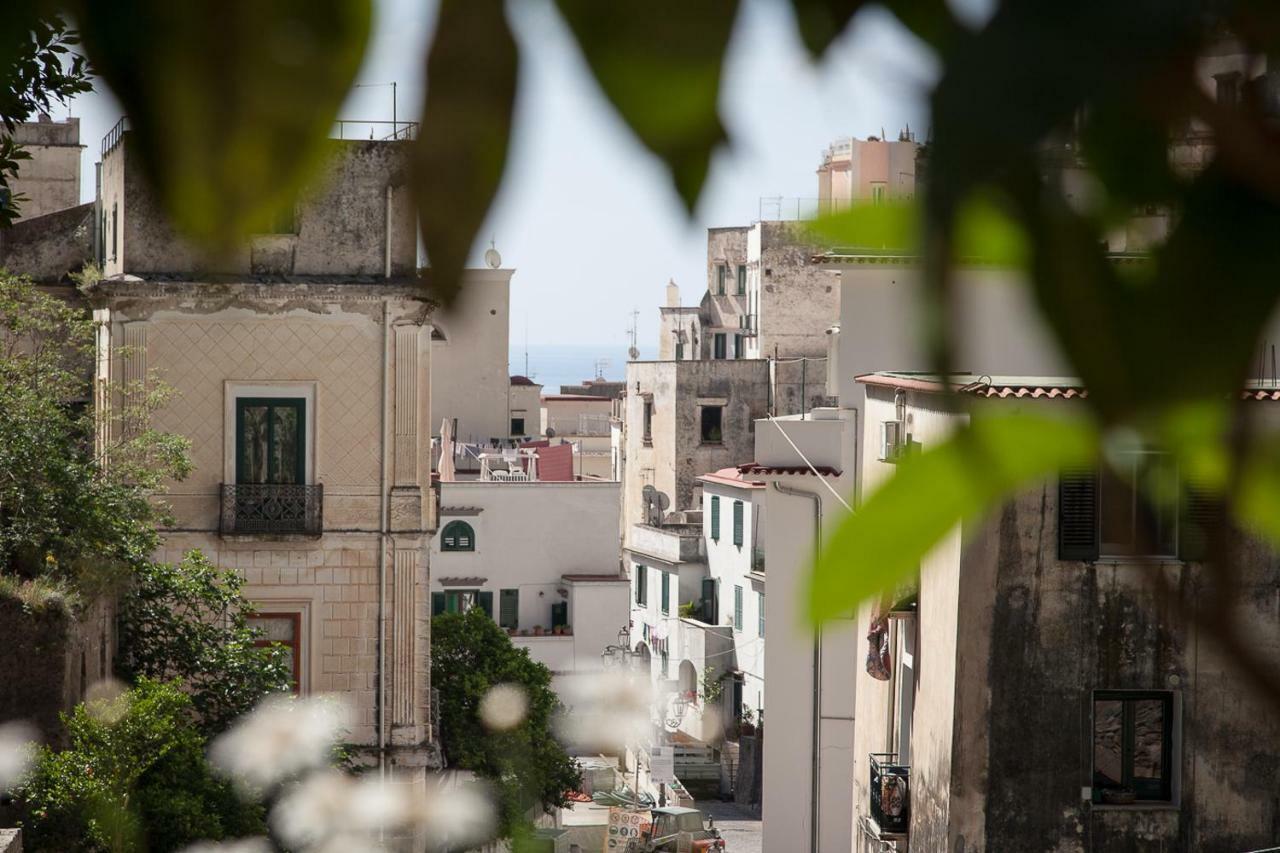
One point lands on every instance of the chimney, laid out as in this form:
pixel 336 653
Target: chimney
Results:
pixel 673 294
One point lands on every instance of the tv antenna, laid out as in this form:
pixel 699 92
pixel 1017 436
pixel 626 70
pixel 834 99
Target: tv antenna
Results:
pixel 634 351
pixel 602 364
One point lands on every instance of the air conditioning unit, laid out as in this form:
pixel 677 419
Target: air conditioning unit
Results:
pixel 893 440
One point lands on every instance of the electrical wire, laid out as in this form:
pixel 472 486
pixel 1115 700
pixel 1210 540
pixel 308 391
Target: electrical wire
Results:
pixel 800 452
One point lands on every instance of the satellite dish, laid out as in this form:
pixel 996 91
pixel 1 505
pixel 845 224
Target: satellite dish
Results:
pixel 661 499
pixel 633 353
pixel 551 432
pixel 491 257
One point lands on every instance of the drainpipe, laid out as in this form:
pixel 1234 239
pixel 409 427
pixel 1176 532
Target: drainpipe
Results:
pixel 815 777
pixel 383 524
pixel 386 269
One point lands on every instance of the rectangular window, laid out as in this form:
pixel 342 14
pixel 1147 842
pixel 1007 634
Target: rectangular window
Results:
pixel 742 280
pixel 461 600
pixel 270 440
pixel 715 518
pixel 642 585
pixel 1133 744
pixel 648 421
pixel 738 512
pixel 760 607
pixel 721 271
pixel 517 426
pixel 680 351
pixel 284 629
pixel 115 230
pixel 878 192
pixel 665 603
pixel 739 346
pixel 718 343
pixel 1228 88
pixel 710 604
pixel 509 608
pixel 737 608
pixel 711 423
pixel 1138 506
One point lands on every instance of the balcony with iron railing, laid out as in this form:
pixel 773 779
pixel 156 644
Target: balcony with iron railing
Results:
pixel 890 793
pixel 260 509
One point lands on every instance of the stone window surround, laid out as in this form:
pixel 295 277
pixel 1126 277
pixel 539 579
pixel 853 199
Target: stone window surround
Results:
pixel 292 600
pixel 235 389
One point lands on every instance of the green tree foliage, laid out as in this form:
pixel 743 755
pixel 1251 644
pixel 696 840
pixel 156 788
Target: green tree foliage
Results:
pixel 469 655
pixel 39 68
pixel 133 778
pixel 75 503
pixel 188 621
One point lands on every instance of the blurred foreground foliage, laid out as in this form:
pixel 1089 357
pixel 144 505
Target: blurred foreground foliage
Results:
pixel 134 777
pixel 470 655
pixel 229 101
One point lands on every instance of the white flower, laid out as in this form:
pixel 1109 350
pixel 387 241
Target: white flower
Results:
pixel 504 707
pixel 281 738
pixel 18 741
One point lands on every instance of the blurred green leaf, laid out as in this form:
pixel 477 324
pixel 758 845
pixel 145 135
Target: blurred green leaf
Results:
pixel 659 63
pixel 967 475
pixel 822 21
pixel 230 101
pixel 462 150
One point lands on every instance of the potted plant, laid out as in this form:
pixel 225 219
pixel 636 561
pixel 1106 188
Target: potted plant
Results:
pixel 557 630
pixel 537 630
pixel 568 630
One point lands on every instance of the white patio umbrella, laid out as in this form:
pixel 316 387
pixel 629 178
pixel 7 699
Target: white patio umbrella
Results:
pixel 447 472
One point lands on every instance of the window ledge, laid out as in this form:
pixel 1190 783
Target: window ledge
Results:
pixel 273 537
pixel 1148 806
pixel 1137 560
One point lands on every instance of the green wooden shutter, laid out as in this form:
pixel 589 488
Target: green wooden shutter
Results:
pixel 437 603
pixel 1078 515
pixel 737 608
pixel 1200 514
pixel 715 518
pixel 666 592
pixel 711 601
pixel 485 599
pixel 509 608
pixel 559 614
pixel 642 579
pixel 737 523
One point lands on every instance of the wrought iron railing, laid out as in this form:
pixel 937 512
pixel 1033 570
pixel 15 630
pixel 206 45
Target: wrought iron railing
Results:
pixel 890 793
pixel 261 508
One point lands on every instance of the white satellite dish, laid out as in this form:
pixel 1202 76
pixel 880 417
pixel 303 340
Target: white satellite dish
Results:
pixel 633 353
pixel 491 257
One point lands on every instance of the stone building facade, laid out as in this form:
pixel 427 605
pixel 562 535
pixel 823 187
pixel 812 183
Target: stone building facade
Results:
pixel 1043 694
pixel 50 180
pixel 302 366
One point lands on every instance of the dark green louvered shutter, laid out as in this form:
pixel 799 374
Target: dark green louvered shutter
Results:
pixel 711 601
pixel 509 608
pixel 737 608
pixel 1200 514
pixel 437 603
pixel 715 518
pixel 737 523
pixel 485 598
pixel 666 592
pixel 1078 515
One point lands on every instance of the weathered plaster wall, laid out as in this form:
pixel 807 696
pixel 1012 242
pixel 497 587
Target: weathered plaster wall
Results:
pixel 51 657
pixel 51 178
pixel 49 247
pixel 798 299
pixel 687 323
pixel 341 222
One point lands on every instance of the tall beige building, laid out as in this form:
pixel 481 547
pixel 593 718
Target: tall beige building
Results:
pixel 302 366
pixel 870 169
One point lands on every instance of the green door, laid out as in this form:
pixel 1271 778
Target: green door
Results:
pixel 271 440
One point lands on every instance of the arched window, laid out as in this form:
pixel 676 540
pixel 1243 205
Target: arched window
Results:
pixel 457 536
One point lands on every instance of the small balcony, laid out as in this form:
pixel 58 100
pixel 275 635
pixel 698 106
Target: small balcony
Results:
pixel 267 509
pixel 890 793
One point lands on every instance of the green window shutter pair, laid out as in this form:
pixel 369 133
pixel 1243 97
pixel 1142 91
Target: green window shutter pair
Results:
pixel 715 518
pixel 485 600
pixel 737 523
pixel 666 592
pixel 457 536
pixel 509 608
pixel 437 603
pixel 737 608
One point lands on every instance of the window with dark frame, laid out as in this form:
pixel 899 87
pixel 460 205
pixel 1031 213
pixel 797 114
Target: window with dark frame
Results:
pixel 715 518
pixel 285 630
pixel 648 421
pixel 739 512
pixel 1132 745
pixel 721 272
pixel 665 603
pixel 517 426
pixel 719 344
pixel 509 609
pixel 642 585
pixel 712 432
pixel 461 600
pixel 739 346
pixel 271 440
pixel 458 536
pixel 1227 88
pixel 742 280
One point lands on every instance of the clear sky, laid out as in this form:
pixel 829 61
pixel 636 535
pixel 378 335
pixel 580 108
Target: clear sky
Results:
pixel 587 216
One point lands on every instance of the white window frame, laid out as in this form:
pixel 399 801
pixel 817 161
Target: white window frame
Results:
pixel 234 390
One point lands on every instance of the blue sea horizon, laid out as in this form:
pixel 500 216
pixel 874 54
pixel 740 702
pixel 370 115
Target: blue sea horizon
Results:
pixel 556 365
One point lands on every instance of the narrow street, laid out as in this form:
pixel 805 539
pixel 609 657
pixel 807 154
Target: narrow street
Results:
pixel 742 830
